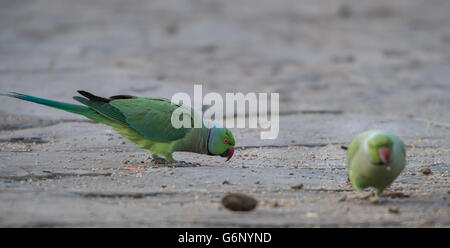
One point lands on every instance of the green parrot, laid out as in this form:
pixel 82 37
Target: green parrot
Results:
pixel 147 122
pixel 374 159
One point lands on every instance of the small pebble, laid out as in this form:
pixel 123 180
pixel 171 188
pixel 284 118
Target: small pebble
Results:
pixel 426 171
pixel 239 202
pixel 343 198
pixel 298 186
pixel 393 210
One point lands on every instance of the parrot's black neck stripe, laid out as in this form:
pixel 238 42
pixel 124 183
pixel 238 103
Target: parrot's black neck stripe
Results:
pixel 207 142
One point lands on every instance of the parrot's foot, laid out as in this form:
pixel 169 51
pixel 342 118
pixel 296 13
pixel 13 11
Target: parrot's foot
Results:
pixel 377 200
pixel 171 163
pixel 369 196
pixel 159 161
pixel 187 164
pixel 361 196
pixel 395 194
pixel 365 196
pixel 174 163
pixel 374 199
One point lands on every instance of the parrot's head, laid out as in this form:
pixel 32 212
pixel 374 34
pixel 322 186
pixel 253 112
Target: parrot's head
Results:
pixel 379 149
pixel 220 142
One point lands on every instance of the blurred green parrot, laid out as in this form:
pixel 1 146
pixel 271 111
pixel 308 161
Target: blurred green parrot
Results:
pixel 374 159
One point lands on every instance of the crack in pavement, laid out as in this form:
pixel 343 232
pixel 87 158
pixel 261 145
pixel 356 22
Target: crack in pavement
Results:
pixel 31 140
pixel 286 146
pixel 312 145
pixel 124 195
pixel 52 175
pixel 46 123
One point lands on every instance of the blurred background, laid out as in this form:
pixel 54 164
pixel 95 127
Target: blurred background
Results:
pixel 389 58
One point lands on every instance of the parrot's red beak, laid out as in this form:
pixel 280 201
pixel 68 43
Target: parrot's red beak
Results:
pixel 385 154
pixel 230 152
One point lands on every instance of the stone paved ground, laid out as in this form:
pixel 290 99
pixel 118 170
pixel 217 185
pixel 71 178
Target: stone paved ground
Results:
pixel 340 67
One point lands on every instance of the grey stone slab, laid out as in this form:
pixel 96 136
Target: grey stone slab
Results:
pixel 87 170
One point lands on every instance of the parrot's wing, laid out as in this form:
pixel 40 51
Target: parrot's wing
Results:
pixel 104 108
pixel 400 143
pixel 353 147
pixel 403 147
pixel 151 117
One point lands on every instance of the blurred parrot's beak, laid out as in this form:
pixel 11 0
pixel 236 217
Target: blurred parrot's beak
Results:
pixel 228 153
pixel 385 154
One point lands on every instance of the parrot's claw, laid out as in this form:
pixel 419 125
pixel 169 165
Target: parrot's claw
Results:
pixel 160 161
pixel 370 196
pixel 377 200
pixel 366 196
pixel 361 196
pixel 374 199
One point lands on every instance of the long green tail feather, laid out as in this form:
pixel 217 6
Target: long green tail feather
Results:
pixel 73 108
pixel 78 109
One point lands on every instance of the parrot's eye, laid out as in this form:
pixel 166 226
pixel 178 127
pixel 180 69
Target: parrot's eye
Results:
pixel 226 141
